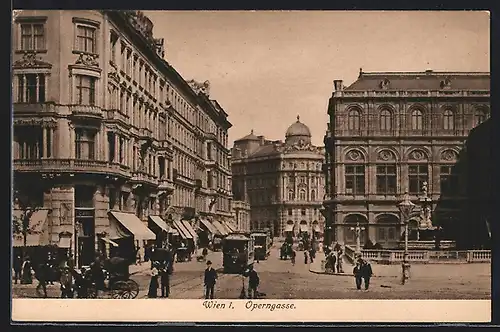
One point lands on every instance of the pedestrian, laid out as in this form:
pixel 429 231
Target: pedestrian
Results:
pixel 153 284
pixel 253 282
pixel 209 281
pixel 17 265
pixel 41 274
pixel 305 257
pixel 165 273
pixel 332 260
pixel 66 283
pixel 26 276
pixel 293 256
pixel 366 272
pixel 204 253
pixel 97 275
pixel 340 258
pixel 357 274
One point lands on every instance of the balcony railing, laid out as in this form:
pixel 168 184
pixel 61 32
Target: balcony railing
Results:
pixel 117 116
pixel 141 177
pixel 165 184
pixel 414 93
pixel 27 108
pixel 87 111
pixel 145 133
pixel 185 179
pixel 69 166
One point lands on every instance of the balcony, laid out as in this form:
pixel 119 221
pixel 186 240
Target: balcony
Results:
pixel 166 184
pixel 144 178
pixel 70 166
pixel 210 163
pixel 145 133
pixel 184 179
pixel 87 112
pixel 38 108
pixel 117 116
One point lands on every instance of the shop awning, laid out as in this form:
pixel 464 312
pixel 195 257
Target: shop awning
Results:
pixel 289 228
pixel 133 224
pixel 173 231
pixel 111 242
pixel 220 228
pixel 303 228
pixel 64 242
pixel 38 234
pixel 317 229
pixel 226 227
pixel 189 228
pixel 232 226
pixel 211 228
pixel 183 232
pixel 160 223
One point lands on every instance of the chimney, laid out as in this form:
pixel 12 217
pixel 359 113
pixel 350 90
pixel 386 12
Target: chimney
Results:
pixel 338 85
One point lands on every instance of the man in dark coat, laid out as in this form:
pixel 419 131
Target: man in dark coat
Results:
pixel 209 281
pixel 41 275
pixel 17 265
pixel 366 273
pixel 165 273
pixel 357 274
pixel 253 282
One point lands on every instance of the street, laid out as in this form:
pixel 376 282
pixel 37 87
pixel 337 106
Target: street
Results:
pixel 281 280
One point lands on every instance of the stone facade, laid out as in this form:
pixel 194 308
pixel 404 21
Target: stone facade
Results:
pixel 388 134
pixel 102 122
pixel 241 212
pixel 282 181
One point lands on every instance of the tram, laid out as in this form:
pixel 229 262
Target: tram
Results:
pixel 261 244
pixel 238 252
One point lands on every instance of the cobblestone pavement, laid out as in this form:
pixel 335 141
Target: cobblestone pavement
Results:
pixel 281 280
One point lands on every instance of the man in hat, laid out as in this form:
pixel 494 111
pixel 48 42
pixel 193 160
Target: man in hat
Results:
pixel 209 281
pixel 253 282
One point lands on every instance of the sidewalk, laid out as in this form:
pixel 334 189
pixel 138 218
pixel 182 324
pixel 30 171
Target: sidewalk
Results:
pixel 315 266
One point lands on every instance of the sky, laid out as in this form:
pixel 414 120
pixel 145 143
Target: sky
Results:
pixel 267 67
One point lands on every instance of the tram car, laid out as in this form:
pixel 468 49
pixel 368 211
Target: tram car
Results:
pixel 238 252
pixel 261 244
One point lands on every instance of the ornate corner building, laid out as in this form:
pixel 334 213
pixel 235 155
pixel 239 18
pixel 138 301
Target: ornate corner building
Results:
pixel 389 132
pixel 102 122
pixel 282 182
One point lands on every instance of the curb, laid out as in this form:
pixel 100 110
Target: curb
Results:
pixel 332 274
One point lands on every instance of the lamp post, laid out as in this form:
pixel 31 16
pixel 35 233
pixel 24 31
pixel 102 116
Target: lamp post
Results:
pixel 357 231
pixel 406 207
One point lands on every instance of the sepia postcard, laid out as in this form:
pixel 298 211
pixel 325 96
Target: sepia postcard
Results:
pixel 251 166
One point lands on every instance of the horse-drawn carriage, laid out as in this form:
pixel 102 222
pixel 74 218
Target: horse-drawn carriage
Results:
pixel 117 282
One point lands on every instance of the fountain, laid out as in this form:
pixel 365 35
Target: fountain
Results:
pixel 428 236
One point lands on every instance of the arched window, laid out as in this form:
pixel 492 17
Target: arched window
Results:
pixel 385 120
pixel 480 116
pixel 353 120
pixel 448 120
pixel 313 195
pixel 416 120
pixel 291 195
pixel 302 195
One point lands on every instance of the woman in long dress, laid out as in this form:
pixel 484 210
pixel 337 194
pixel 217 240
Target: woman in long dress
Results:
pixel 153 284
pixel 26 277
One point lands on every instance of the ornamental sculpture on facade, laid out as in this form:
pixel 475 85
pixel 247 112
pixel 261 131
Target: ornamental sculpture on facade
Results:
pixel 31 60
pixel 198 87
pixel 89 60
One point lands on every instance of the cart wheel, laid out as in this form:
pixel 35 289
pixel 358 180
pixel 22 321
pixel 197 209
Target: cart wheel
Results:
pixel 133 289
pixel 119 290
pixel 92 292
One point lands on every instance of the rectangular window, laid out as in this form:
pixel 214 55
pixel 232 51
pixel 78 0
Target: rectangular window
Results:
pixel 448 180
pixel 303 212
pixel 113 38
pixel 85 90
pixel 111 147
pixel 86 39
pixel 31 88
pixel 85 144
pixel 386 179
pixel 29 139
pixel 290 212
pixel 417 175
pixel 392 233
pixel 381 236
pixel 355 179
pixel 32 37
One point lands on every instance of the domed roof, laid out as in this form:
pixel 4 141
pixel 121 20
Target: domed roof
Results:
pixel 298 129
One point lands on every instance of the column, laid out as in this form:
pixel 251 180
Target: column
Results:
pixel 23 93
pixel 98 145
pixel 116 148
pixel 71 141
pixel 15 89
pixel 46 78
pixel 37 88
pixel 105 145
pixel 52 143
pixel 44 140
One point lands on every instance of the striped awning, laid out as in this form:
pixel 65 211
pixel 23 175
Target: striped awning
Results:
pixel 183 232
pixel 133 224
pixel 317 229
pixel 189 228
pixel 303 228
pixel 289 228
pixel 38 234
pixel 226 227
pixel 158 221
pixel 220 228
pixel 211 228
pixel 64 242
pixel 111 242
pixel 231 227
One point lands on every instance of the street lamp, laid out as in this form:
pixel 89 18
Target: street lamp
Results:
pixel 357 231
pixel 406 207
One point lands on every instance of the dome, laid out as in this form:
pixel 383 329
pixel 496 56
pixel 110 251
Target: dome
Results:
pixel 298 132
pixel 298 129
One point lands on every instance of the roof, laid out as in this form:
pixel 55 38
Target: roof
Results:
pixel 264 150
pixel 428 80
pixel 249 137
pixel 298 129
pixel 237 236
